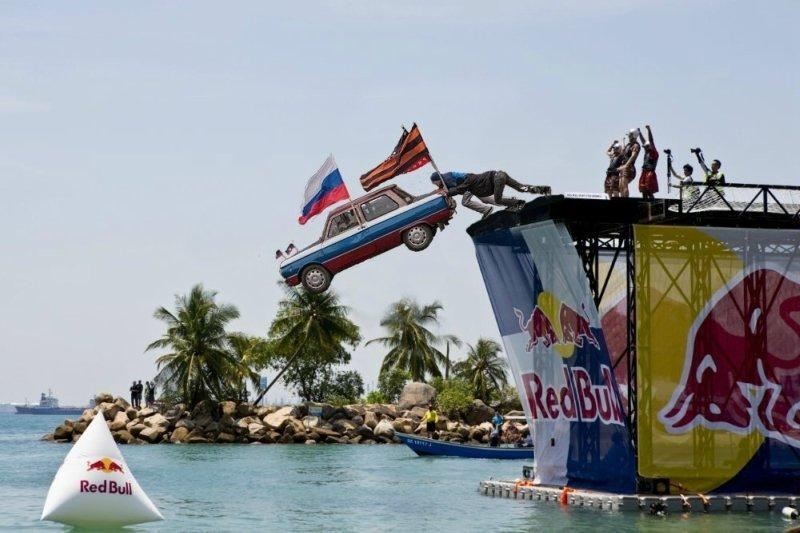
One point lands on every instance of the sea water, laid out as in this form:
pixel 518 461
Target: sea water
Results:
pixel 248 487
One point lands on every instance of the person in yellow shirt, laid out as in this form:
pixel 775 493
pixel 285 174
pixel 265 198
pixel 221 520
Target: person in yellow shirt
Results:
pixel 430 418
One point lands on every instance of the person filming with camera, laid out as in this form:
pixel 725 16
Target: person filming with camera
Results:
pixel 713 175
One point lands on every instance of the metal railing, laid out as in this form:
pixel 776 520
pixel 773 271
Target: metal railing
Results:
pixel 741 198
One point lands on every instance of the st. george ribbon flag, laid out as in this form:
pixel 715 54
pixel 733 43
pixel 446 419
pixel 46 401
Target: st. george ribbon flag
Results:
pixel 410 154
pixel 324 189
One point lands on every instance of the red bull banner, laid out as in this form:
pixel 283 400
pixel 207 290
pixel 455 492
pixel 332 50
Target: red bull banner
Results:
pixel 552 336
pixel 718 357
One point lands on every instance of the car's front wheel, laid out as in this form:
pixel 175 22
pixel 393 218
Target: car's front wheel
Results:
pixel 418 237
pixel 316 278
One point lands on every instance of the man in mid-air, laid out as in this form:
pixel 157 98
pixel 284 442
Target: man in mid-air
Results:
pixel 487 187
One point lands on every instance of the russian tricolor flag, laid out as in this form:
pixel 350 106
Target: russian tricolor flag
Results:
pixel 324 189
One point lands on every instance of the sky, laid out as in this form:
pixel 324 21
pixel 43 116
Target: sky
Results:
pixel 149 146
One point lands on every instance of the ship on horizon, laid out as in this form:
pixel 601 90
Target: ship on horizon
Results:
pixel 48 405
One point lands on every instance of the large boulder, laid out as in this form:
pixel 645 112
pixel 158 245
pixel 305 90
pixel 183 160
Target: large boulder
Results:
pixel 244 409
pixel 324 432
pixel 196 437
pixel 403 425
pixel 157 421
pixel 135 428
pixel 131 413
pixel 477 413
pixel 146 412
pixel 120 421
pixel 416 394
pixel 256 431
pixel 109 410
pixel 384 429
pixel 279 418
pixel 88 415
pixel 180 434
pixel 103 397
pixel 204 408
pixel 187 423
pixel 228 408
pixel 343 425
pixel 371 419
pixel 151 434
pixel 385 410
pixel 365 431
pixel 123 437
pixel 263 411
pixel 79 427
pixel 226 438
pixel 63 432
pixel 121 402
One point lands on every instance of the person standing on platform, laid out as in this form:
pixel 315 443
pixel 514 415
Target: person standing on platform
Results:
pixel 648 182
pixel 611 184
pixel 430 418
pixel 627 170
pixel 713 175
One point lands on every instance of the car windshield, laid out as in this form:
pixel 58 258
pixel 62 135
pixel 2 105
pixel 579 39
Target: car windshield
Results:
pixel 377 207
pixel 341 223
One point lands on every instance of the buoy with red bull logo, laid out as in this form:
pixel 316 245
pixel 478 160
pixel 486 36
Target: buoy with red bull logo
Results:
pixel 95 488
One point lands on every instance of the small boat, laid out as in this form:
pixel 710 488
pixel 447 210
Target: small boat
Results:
pixel 426 446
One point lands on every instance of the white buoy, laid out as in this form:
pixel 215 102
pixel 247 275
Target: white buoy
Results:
pixel 95 488
pixel 789 512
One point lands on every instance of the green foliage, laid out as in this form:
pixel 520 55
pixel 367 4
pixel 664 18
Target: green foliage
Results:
pixel 412 345
pixel 199 363
pixel 455 398
pixel 438 383
pixel 347 385
pixel 338 401
pixel 508 399
pixel 391 383
pixel 309 336
pixel 484 369
pixel 377 396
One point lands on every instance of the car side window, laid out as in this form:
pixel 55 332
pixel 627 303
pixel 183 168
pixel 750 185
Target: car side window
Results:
pixel 341 223
pixel 378 207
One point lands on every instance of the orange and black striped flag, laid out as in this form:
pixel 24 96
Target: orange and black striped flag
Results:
pixel 409 154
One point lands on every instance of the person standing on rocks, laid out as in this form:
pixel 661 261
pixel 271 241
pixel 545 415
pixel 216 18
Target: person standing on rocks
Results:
pixel 430 418
pixel 139 391
pixel 133 394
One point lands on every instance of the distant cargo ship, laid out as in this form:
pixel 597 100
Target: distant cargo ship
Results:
pixel 48 405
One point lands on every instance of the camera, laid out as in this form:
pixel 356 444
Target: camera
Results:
pixel 695 150
pixel 667 151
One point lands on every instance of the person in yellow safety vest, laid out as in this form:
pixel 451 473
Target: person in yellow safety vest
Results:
pixel 430 418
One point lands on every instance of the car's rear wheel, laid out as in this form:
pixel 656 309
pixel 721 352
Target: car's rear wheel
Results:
pixel 418 237
pixel 316 278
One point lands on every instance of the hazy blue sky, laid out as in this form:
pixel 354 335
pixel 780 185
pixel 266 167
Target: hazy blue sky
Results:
pixel 148 146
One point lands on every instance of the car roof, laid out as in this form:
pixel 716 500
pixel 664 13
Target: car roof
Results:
pixel 372 194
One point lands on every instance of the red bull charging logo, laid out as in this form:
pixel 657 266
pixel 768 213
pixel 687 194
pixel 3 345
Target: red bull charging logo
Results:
pixel 569 328
pixel 741 371
pixel 105 465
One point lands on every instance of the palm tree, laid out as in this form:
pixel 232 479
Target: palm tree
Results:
pixel 412 345
pixel 253 353
pixel 310 325
pixel 199 364
pixel 483 368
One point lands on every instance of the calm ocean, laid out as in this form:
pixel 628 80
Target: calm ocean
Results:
pixel 323 487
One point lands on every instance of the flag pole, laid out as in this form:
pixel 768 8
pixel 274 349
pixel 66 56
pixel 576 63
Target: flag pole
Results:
pixel 433 163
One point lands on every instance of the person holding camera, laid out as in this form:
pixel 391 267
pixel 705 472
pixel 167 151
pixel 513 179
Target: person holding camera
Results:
pixel 648 182
pixel 691 193
pixel 627 170
pixel 611 184
pixel 713 175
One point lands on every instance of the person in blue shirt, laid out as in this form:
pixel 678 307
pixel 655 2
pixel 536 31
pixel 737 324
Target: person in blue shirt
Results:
pixel 487 187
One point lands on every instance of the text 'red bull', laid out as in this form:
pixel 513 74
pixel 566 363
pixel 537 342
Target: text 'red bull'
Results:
pixel 575 328
pixel 577 400
pixel 741 369
pixel 106 487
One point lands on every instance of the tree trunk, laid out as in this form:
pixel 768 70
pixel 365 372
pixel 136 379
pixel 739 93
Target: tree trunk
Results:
pixel 274 381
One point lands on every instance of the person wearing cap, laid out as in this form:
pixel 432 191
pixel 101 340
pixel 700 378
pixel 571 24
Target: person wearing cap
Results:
pixel 648 182
pixel 487 187
pixel 627 170
pixel 430 418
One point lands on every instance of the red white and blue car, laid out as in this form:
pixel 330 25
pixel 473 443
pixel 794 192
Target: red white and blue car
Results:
pixel 365 228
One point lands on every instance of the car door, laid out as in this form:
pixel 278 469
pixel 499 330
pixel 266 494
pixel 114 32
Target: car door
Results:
pixel 346 243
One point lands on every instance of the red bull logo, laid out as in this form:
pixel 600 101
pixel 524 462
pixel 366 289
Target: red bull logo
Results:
pixel 576 400
pixel 741 371
pixel 107 487
pixel 105 465
pixel 570 328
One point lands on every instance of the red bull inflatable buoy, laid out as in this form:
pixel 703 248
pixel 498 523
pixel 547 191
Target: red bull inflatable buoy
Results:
pixel 94 486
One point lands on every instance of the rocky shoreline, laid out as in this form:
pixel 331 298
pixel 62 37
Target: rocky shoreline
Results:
pixel 311 423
